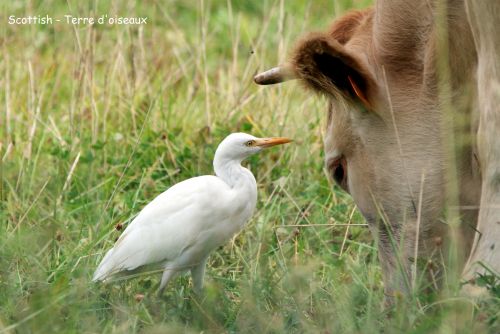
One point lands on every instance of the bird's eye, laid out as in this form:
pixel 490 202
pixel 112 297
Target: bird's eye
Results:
pixel 250 143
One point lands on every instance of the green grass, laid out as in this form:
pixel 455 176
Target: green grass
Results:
pixel 95 122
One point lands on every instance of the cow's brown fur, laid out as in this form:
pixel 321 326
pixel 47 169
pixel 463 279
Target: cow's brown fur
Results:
pixel 392 139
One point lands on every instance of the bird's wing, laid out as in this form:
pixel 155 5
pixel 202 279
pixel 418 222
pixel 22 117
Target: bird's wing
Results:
pixel 169 224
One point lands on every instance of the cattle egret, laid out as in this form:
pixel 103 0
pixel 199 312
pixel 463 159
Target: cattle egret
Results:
pixel 182 226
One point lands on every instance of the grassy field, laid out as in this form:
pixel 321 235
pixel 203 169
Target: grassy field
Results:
pixel 96 121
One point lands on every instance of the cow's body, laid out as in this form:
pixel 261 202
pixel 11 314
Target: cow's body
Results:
pixel 413 125
pixel 484 19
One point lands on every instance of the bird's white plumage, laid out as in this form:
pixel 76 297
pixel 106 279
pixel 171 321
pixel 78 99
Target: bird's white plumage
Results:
pixel 187 218
pixel 181 226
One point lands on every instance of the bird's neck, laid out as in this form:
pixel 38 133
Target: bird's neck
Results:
pixel 231 171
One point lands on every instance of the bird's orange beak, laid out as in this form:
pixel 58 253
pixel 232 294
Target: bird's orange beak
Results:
pixel 268 142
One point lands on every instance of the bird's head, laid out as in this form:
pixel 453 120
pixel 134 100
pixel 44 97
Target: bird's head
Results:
pixel 238 146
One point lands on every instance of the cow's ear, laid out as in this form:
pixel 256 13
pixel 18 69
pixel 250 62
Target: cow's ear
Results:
pixel 326 66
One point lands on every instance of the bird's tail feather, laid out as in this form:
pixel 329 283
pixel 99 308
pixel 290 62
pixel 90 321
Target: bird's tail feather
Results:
pixel 105 268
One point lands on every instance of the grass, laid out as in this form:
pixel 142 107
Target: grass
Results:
pixel 96 121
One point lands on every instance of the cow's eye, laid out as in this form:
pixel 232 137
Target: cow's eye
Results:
pixel 338 170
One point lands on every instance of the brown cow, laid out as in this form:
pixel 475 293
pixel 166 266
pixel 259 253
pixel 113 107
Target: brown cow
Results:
pixel 413 126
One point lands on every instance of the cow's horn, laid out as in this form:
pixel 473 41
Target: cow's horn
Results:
pixel 275 75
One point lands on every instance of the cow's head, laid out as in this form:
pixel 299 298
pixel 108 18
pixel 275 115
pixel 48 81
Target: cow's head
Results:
pixel 383 142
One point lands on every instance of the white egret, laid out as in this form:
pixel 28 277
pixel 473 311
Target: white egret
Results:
pixel 183 225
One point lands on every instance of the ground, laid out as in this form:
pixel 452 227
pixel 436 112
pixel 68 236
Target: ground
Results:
pixel 98 120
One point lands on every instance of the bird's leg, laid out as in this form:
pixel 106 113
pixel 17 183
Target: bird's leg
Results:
pixel 197 273
pixel 168 274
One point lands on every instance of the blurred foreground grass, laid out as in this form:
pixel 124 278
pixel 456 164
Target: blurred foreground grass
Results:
pixel 96 121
